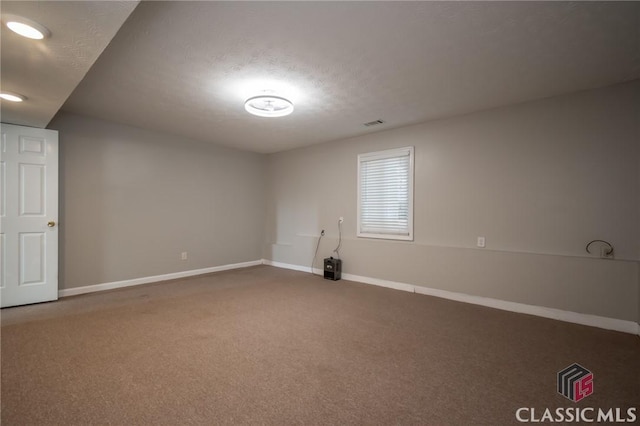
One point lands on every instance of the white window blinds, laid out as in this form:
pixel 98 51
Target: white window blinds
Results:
pixel 385 194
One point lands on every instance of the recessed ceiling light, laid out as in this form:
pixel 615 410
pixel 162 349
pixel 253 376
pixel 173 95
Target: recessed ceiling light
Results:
pixel 26 27
pixel 12 97
pixel 268 106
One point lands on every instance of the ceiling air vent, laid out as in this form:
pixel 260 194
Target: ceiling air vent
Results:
pixel 373 123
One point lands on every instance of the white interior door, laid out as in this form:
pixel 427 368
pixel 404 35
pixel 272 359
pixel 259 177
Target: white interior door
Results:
pixel 28 215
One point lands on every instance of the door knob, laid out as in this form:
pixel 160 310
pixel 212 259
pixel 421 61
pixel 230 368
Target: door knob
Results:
pixel 51 224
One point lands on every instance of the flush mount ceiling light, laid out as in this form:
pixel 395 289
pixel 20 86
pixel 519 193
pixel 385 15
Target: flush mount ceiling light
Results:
pixel 26 27
pixel 268 106
pixel 12 97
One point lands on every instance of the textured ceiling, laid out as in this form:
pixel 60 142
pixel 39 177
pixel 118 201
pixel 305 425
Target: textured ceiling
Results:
pixel 186 68
pixel 47 71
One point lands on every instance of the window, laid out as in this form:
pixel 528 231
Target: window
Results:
pixel 385 194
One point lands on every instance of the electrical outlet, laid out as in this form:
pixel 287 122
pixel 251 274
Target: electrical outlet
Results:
pixel 184 255
pixel 322 233
pixel 481 242
pixel 340 219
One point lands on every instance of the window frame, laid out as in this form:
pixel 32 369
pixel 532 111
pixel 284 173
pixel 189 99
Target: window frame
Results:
pixel 389 153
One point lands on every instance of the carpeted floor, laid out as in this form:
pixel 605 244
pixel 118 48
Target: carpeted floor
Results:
pixel 270 346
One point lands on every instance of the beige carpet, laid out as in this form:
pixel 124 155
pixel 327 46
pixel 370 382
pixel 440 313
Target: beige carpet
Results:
pixel 269 346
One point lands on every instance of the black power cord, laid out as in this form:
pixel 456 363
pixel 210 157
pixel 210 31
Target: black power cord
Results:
pixel 609 251
pixel 316 252
pixel 336 250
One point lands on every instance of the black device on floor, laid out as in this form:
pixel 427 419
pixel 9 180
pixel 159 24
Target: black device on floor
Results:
pixel 332 269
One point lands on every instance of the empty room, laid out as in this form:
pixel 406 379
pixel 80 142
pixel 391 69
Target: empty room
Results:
pixel 319 213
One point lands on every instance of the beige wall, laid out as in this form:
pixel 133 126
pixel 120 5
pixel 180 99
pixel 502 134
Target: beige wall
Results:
pixel 132 200
pixel 538 180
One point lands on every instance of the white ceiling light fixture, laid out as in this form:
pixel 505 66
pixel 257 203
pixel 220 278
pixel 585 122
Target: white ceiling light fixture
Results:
pixel 26 27
pixel 268 106
pixel 12 97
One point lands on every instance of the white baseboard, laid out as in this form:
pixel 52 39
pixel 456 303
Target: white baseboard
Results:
pixel 540 311
pixel 380 283
pixel 152 279
pixel 288 266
